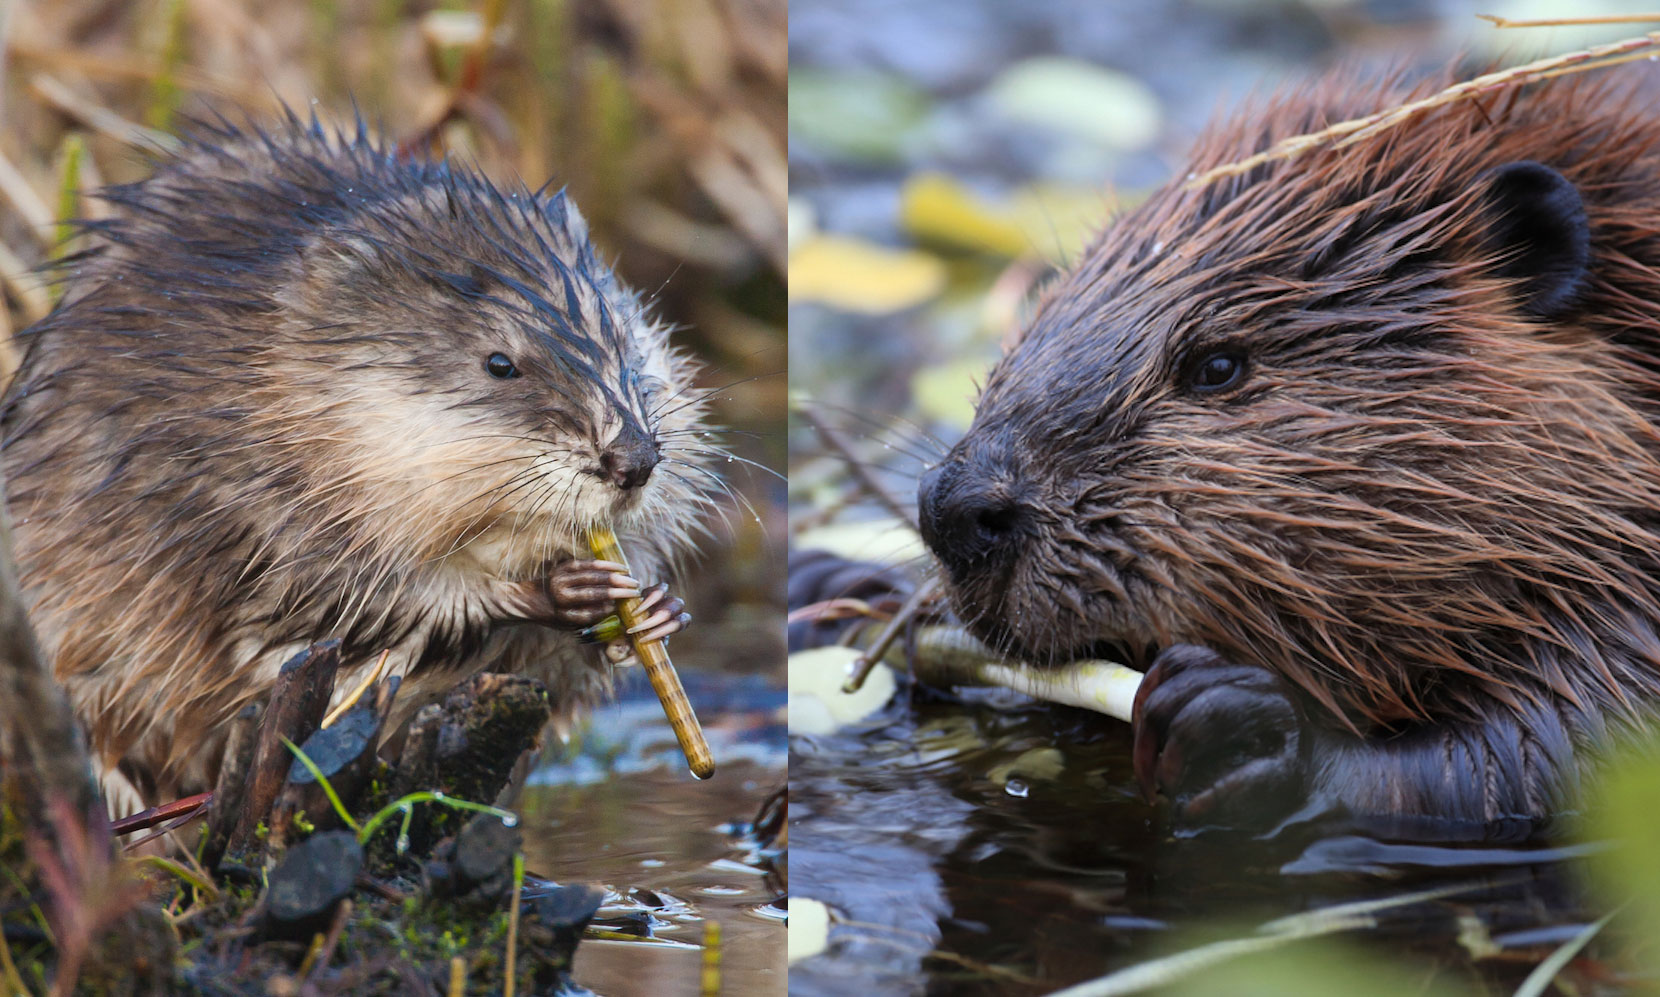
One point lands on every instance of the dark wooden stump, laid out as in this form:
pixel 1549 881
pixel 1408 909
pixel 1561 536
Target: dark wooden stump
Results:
pixel 469 747
pixel 298 701
pixel 307 886
pixel 345 756
pixel 230 790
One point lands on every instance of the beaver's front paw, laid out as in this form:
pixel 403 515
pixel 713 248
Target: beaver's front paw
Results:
pixel 1225 743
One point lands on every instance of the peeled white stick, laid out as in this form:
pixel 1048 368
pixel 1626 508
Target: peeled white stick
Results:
pixel 950 656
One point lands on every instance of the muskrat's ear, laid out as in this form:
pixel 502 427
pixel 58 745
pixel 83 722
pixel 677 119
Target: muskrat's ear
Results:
pixel 1537 221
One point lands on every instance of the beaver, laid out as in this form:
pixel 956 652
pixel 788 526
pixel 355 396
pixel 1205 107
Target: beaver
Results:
pixel 301 387
pixel 1357 452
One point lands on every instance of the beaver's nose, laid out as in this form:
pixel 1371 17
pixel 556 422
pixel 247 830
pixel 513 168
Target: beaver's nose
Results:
pixel 627 462
pixel 968 520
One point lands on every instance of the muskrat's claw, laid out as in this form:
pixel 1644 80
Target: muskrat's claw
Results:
pixel 583 593
pixel 1223 742
pixel 667 617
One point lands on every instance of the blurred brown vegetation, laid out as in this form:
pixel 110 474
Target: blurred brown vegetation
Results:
pixel 664 119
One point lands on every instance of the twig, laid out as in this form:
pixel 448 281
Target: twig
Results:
pixel 513 924
pixel 866 661
pixel 1567 22
pixel 949 656
pixel 357 694
pixel 1354 130
pixel 156 815
pixel 833 440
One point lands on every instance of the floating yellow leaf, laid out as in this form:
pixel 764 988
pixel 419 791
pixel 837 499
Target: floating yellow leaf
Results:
pixel 1049 221
pixel 937 208
pixel 857 276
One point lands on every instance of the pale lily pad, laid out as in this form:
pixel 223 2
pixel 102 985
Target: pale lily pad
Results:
pixel 1079 98
pixel 809 928
pixel 817 703
pixel 802 222
pixel 861 116
pixel 883 541
pixel 857 276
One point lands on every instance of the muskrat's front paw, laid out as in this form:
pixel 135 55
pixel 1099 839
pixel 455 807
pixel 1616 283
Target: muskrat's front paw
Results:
pixel 579 594
pixel 661 615
pixel 1223 742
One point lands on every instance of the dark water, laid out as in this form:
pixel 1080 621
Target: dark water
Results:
pixel 970 850
pixel 620 810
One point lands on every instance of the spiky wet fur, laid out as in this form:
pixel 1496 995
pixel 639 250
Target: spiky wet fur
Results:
pixel 262 417
pixel 1424 505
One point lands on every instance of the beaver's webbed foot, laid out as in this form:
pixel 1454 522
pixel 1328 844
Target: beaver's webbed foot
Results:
pixel 1223 742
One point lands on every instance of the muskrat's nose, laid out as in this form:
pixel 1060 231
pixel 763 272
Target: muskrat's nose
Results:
pixel 628 461
pixel 968 520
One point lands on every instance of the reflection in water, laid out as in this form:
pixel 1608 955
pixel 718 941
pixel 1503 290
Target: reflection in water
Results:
pixel 673 853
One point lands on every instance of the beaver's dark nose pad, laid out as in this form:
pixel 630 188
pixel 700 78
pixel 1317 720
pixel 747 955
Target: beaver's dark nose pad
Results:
pixel 628 461
pixel 968 522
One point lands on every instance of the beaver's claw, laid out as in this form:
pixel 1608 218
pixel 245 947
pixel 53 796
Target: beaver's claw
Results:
pixel 1224 743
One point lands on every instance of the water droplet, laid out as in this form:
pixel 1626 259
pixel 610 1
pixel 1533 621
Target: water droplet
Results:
pixel 403 843
pixel 509 820
pixel 1017 788
pixel 438 796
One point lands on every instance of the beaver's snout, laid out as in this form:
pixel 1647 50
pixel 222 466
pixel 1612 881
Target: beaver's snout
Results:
pixel 972 522
pixel 628 461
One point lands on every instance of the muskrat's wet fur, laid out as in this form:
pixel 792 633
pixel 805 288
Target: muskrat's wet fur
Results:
pixel 263 416
pixel 1431 504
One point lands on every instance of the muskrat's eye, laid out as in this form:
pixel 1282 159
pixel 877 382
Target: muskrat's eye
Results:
pixel 1218 370
pixel 500 366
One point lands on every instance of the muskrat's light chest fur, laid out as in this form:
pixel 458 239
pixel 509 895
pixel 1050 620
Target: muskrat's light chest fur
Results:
pixel 300 388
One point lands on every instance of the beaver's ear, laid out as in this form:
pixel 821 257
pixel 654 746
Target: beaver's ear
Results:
pixel 1537 222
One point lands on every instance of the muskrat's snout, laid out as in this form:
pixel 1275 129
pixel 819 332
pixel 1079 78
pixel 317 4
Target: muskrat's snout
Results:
pixel 628 460
pixel 972 522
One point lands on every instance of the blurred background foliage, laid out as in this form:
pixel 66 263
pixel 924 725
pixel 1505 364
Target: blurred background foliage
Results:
pixel 663 118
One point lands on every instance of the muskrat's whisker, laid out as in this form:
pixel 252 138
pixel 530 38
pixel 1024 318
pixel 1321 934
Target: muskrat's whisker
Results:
pixel 723 487
pixel 725 455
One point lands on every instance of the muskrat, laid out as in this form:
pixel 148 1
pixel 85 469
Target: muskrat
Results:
pixel 302 387
pixel 1361 450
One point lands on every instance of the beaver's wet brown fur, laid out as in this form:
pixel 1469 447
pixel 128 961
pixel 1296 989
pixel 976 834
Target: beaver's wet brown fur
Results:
pixel 1373 432
pixel 302 388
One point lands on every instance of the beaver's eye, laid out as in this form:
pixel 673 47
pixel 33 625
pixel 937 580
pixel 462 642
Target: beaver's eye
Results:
pixel 499 366
pixel 1218 370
